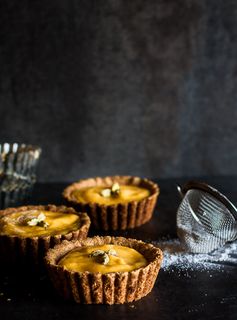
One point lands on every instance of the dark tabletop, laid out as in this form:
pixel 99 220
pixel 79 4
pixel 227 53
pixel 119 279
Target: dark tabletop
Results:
pixel 175 295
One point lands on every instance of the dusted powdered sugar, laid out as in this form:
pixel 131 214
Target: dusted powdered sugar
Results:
pixel 176 257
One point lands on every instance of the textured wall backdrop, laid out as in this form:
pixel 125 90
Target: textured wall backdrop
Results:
pixel 115 86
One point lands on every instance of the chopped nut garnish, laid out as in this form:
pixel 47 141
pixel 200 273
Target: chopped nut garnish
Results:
pixel 38 221
pixel 96 253
pixel 114 191
pixel 102 256
pixel 111 252
pixel 43 224
pixel 105 258
pixel 106 193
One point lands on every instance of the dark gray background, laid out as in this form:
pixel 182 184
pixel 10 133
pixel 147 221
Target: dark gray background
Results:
pixel 136 87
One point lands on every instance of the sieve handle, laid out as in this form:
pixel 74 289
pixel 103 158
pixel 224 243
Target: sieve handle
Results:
pixel 179 188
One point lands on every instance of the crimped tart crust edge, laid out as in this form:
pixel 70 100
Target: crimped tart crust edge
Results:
pixel 110 288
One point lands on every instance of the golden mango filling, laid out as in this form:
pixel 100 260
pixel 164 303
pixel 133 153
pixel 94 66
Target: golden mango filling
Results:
pixel 113 195
pixel 34 223
pixel 104 259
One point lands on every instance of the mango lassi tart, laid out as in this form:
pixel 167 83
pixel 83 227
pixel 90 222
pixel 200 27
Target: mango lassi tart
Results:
pixel 98 287
pixel 130 205
pixel 27 232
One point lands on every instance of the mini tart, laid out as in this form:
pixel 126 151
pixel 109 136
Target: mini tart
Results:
pixel 109 288
pixel 31 249
pixel 119 216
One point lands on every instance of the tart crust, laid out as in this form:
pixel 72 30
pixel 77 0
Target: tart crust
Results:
pixel 118 216
pixel 109 288
pixel 31 250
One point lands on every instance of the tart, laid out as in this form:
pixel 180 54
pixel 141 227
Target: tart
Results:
pixel 27 232
pixel 109 270
pixel 114 203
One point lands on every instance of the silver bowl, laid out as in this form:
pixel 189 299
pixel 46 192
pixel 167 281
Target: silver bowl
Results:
pixel 18 163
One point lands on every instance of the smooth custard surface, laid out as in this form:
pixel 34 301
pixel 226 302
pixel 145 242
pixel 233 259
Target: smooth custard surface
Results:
pixel 127 193
pixel 15 224
pixel 81 260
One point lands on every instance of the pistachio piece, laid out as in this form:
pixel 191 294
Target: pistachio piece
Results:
pixel 38 221
pixel 100 256
pixel 41 217
pixel 105 259
pixel 33 222
pixel 111 252
pixel 43 224
pixel 97 253
pixel 106 193
pixel 115 189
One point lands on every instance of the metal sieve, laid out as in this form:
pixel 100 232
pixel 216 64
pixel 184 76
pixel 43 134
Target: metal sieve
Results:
pixel 206 219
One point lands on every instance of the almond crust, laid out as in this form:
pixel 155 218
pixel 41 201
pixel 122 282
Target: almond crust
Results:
pixel 31 250
pixel 110 288
pixel 119 216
